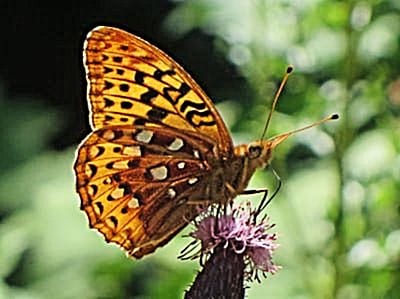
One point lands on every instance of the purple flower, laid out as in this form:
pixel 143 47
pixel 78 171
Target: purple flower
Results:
pixel 236 247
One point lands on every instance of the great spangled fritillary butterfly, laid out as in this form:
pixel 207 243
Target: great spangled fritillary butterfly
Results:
pixel 159 153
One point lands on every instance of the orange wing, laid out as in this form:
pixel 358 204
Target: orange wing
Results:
pixel 132 82
pixel 147 168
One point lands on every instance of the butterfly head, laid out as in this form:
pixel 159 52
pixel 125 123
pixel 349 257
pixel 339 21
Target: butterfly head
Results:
pixel 259 153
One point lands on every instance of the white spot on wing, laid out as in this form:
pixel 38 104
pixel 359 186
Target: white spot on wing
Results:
pixel 97 210
pixel 121 164
pixel 196 154
pixel 94 151
pixel 91 190
pixel 108 134
pixel 159 173
pixel 176 145
pixel 88 170
pixel 182 201
pixel 107 181
pixel 133 203
pixel 144 136
pixel 171 193
pixel 181 165
pixel 117 193
pixel 132 151
pixel 192 181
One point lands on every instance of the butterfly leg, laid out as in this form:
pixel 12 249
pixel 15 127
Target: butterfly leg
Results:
pixel 265 200
pixel 204 202
pixel 254 191
pixel 232 192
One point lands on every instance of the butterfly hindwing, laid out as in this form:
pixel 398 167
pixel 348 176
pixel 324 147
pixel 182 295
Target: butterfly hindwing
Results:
pixel 136 183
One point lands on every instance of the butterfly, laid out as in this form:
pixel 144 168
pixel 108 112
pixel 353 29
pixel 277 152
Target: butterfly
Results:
pixel 159 152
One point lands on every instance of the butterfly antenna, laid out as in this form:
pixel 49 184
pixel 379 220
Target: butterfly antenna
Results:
pixel 289 70
pixel 275 140
pixel 265 200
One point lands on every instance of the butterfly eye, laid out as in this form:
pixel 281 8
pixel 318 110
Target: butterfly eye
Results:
pixel 254 151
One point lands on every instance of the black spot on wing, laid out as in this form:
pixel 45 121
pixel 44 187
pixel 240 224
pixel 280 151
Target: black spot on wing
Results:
pixel 124 87
pixel 114 220
pixel 126 105
pixel 101 151
pixel 100 207
pixel 139 77
pixel 206 123
pixel 107 70
pixel 93 169
pixel 157 114
pixel 139 122
pixel 110 198
pixel 116 177
pixel 110 165
pixel 184 89
pixel 108 102
pixel 148 96
pixel 94 189
pixel 108 85
pixel 158 74
pixel 188 103
pixel 108 117
pixel 190 115
pixel 126 187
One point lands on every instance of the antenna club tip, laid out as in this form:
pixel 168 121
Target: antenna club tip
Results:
pixel 289 69
pixel 335 116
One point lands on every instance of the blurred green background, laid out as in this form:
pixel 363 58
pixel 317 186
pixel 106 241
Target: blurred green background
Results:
pixel 337 214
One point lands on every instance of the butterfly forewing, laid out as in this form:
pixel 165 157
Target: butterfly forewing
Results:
pixel 132 82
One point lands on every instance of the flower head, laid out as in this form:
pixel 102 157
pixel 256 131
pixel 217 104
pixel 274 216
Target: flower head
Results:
pixel 239 232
